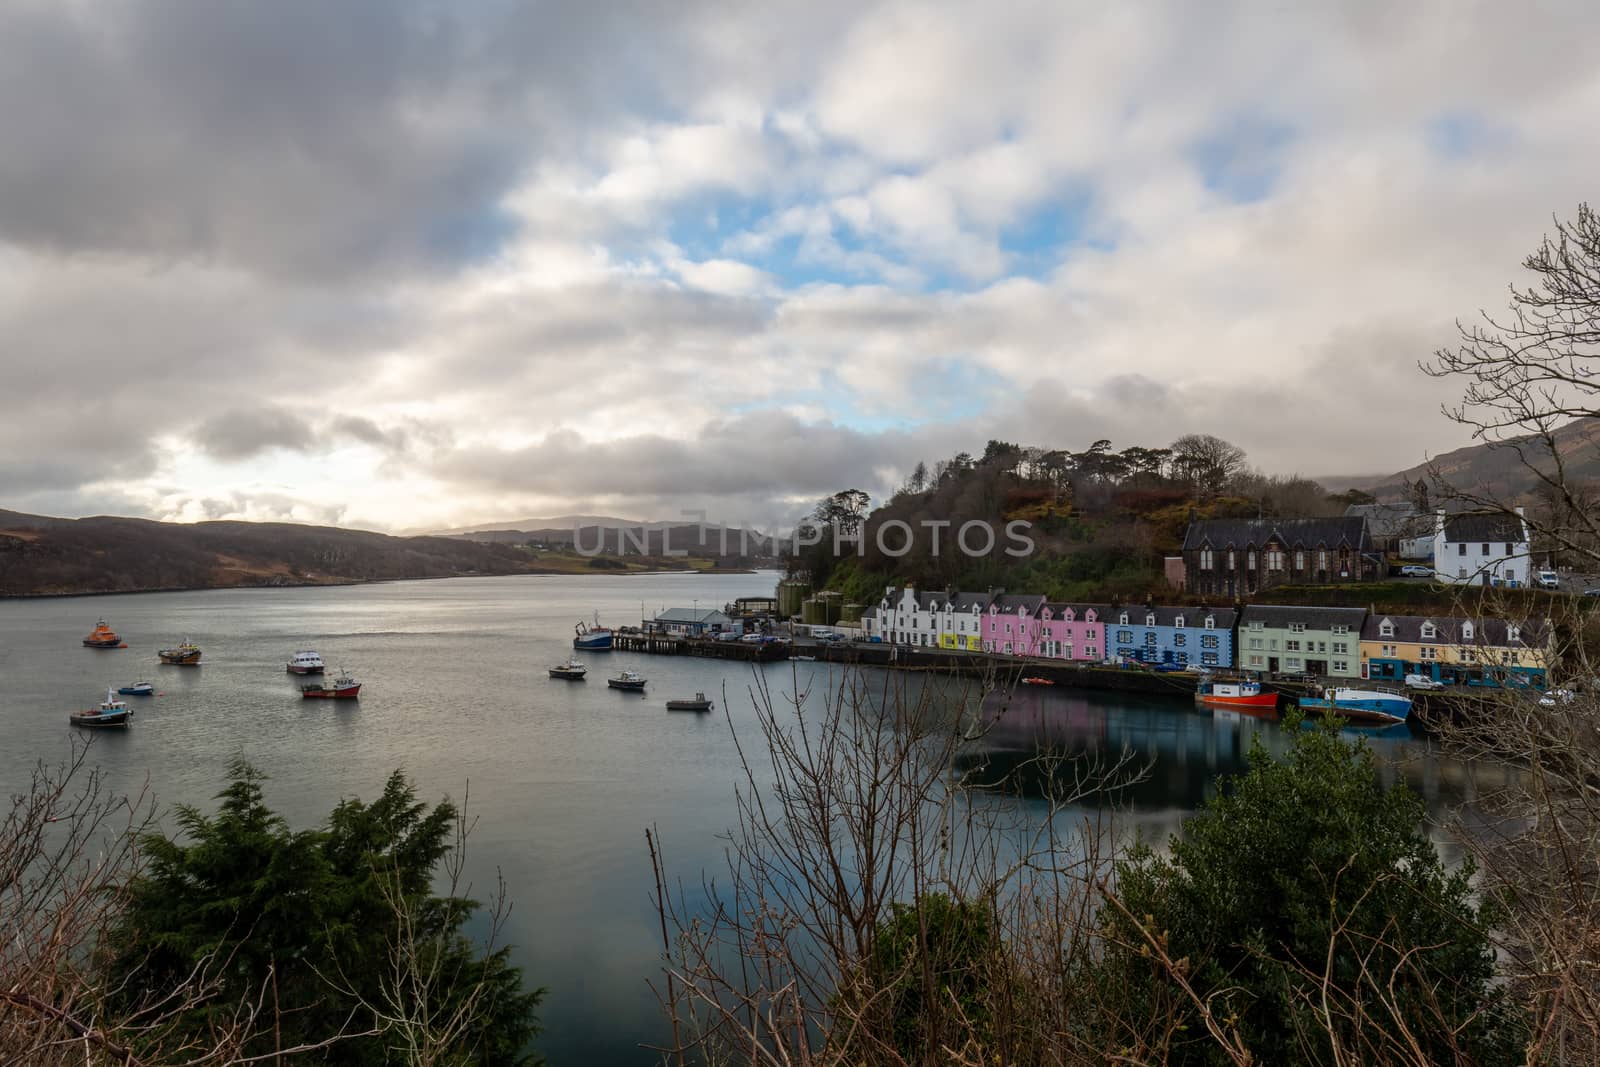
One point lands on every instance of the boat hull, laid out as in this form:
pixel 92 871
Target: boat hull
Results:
pixel 1379 710
pixel 94 643
pixel 295 668
pixel 320 692
pixel 630 686
pixel 568 676
pixel 180 659
pixel 111 720
pixel 593 642
pixel 137 691
pixel 688 705
pixel 1259 702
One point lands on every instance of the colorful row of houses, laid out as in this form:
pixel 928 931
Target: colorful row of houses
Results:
pixel 1265 639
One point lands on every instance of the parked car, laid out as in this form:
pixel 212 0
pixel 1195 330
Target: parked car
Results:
pixel 1591 592
pixel 1416 570
pixel 728 635
pixel 1422 681
pixel 751 639
pixel 1547 580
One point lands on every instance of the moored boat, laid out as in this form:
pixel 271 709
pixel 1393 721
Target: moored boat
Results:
pixel 184 655
pixel 1238 694
pixel 112 712
pixel 1360 705
pixel 344 687
pixel 627 680
pixel 594 638
pixel 699 703
pixel 573 670
pixel 103 636
pixel 1037 681
pixel 138 689
pixel 305 663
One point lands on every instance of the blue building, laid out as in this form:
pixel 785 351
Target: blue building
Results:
pixel 1180 637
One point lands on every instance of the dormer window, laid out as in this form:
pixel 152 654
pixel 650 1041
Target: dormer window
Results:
pixel 1466 631
pixel 1150 619
pixel 1386 628
pixel 1178 622
pixel 1429 630
pixel 1211 623
pixel 1123 619
pixel 1513 634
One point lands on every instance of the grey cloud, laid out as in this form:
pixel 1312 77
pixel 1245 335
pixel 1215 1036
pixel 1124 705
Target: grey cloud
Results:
pixel 242 433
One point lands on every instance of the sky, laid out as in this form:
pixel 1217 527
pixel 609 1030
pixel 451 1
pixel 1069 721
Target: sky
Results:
pixel 415 264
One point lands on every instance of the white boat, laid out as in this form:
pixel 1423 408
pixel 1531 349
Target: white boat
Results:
pixel 305 663
pixel 111 713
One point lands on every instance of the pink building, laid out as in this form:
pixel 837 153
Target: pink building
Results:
pixel 1071 631
pixel 1011 626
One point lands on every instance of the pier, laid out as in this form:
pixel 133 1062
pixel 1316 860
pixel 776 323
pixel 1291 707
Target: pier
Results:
pixel 665 645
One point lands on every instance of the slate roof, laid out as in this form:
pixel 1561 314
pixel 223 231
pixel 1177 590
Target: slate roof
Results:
pixel 1078 610
pixel 1010 602
pixel 1408 628
pixel 692 615
pixel 1493 526
pixel 968 601
pixel 1305 533
pixel 1277 617
pixel 1193 618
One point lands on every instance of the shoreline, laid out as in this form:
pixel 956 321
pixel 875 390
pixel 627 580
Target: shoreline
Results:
pixel 346 582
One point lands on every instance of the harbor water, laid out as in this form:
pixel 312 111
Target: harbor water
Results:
pixel 562 777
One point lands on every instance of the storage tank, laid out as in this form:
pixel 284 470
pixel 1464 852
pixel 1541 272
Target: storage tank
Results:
pixel 791 595
pixel 851 613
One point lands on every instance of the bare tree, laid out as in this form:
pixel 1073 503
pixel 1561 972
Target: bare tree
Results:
pixel 1533 388
pixel 1205 462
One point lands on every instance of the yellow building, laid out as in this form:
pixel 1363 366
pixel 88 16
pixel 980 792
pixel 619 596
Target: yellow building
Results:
pixel 1456 651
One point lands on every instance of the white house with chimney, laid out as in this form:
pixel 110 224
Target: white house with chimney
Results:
pixel 1482 549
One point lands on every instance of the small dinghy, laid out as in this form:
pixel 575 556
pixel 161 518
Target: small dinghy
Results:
pixel 630 680
pixel 111 713
pixel 138 689
pixel 699 703
pixel 573 670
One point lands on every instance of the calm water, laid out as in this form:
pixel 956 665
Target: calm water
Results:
pixel 563 777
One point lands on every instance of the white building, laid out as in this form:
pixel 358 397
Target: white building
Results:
pixel 927 620
pixel 1482 549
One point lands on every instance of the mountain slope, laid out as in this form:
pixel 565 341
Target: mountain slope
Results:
pixel 41 555
pixel 1496 470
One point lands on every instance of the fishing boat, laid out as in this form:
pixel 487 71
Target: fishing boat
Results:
pixel 305 663
pixel 594 638
pixel 344 687
pixel 138 689
pixel 103 636
pixel 627 680
pixel 111 713
pixel 699 703
pixel 573 670
pixel 1360 705
pixel 1236 693
pixel 1037 681
pixel 185 655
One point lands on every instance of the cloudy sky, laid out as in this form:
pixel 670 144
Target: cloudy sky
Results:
pixel 406 264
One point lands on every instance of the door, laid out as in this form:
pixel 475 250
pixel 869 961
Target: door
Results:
pixel 1272 664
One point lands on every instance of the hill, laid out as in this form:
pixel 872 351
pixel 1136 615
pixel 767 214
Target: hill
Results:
pixel 631 539
pixel 41 556
pixel 1498 471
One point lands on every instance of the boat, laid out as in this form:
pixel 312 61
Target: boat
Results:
pixel 1236 693
pixel 305 663
pixel 1037 681
pixel 1360 705
pixel 103 636
pixel 138 689
pixel 627 680
pixel 573 670
pixel 344 687
pixel 185 655
pixel 594 638
pixel 699 703
pixel 806 659
pixel 111 713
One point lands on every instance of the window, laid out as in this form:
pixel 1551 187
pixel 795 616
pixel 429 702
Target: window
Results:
pixel 1178 641
pixel 1322 646
pixel 1322 559
pixel 1388 650
pixel 1178 622
pixel 1150 638
pixel 1512 634
pixel 1272 644
pixel 1211 624
pixel 1255 661
pixel 1150 620
pixel 1250 560
pixel 1463 573
pixel 1208 658
pixel 1255 642
pixel 1428 652
pixel 1123 618
pixel 1274 559
pixel 1386 628
pixel 1508 548
pixel 1294 663
pixel 1299 559
pixel 1257 625
pixel 1124 637
pixel 1485 551
pixel 1461 549
pixel 1205 559
pixel 1208 641
pixel 1341 667
pixel 1230 559
pixel 1291 646
pixel 1341 629
pixel 1297 627
pixel 1090 652
pixel 1428 629
pixel 1466 631
pixel 1340 648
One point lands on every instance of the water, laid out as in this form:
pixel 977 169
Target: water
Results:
pixel 563 777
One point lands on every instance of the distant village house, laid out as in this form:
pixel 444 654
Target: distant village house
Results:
pixel 1239 557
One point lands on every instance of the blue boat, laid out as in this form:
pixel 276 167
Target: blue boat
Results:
pixel 137 689
pixel 594 638
pixel 1360 705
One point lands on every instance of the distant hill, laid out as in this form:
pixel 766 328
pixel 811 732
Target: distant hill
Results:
pixel 40 555
pixel 1496 470
pixel 651 538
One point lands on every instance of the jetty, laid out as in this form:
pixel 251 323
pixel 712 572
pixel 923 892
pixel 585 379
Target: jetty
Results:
pixel 657 644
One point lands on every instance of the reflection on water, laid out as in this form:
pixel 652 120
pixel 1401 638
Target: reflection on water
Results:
pixel 1185 748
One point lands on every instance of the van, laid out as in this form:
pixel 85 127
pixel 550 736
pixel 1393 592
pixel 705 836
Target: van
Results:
pixel 1547 580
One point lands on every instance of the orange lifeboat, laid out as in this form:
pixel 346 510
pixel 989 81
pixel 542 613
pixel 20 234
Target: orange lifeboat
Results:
pixel 103 636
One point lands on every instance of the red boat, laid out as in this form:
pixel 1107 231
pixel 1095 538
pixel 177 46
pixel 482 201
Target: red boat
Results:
pixel 343 688
pixel 1037 681
pixel 1237 694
